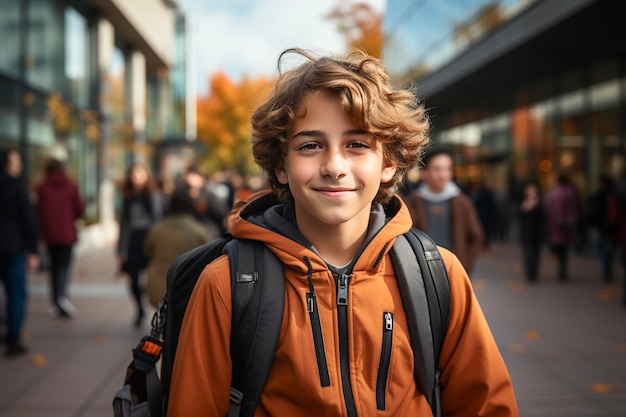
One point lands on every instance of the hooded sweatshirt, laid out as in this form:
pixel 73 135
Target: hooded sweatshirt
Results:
pixel 474 379
pixel 58 207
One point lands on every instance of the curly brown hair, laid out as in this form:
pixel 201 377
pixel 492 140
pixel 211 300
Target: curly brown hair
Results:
pixel 361 85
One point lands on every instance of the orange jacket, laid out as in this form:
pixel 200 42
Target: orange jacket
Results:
pixel 474 379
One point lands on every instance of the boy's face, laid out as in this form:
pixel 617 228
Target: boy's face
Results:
pixel 333 168
pixel 438 173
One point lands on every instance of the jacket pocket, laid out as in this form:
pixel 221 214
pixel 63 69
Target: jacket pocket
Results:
pixel 385 359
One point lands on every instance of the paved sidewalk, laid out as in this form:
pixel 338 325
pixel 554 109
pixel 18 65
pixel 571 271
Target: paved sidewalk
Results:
pixel 564 343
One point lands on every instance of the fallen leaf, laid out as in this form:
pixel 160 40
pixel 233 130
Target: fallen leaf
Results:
pixel 532 335
pixel 100 340
pixel 38 360
pixel 518 348
pixel 608 294
pixel 603 388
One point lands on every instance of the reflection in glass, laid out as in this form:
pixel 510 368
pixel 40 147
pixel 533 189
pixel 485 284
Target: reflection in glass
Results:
pixel 10 35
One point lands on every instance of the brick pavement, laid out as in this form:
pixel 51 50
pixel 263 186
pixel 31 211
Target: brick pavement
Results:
pixel 564 343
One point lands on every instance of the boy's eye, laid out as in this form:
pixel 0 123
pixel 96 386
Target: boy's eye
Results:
pixel 358 145
pixel 308 146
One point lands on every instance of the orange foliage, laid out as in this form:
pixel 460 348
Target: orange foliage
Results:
pixel 223 119
pixel 361 26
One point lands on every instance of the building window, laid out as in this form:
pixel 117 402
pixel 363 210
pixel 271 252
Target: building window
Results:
pixel 10 35
pixel 76 57
pixel 45 45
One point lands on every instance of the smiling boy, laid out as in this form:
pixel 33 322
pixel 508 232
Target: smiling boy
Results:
pixel 335 141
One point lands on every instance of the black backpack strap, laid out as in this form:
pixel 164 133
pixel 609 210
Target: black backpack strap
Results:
pixel 423 282
pixel 258 287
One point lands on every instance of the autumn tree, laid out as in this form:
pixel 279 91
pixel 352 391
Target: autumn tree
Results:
pixel 360 25
pixel 223 119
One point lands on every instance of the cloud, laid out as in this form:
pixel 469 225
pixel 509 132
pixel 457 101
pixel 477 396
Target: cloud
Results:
pixel 246 36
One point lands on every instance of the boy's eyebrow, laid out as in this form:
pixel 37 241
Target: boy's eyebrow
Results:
pixel 319 133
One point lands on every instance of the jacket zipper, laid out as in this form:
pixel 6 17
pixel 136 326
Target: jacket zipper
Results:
pixel 385 359
pixel 344 353
pixel 316 327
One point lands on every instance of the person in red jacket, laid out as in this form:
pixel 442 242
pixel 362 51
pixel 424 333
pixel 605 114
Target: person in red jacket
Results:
pixel 335 140
pixel 59 205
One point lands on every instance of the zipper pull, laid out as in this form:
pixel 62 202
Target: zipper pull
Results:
pixel 342 290
pixel 388 321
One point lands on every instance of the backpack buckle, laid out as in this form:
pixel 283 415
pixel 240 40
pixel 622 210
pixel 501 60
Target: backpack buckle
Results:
pixel 147 353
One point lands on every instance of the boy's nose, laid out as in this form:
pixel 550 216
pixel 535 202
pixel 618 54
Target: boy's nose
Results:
pixel 334 165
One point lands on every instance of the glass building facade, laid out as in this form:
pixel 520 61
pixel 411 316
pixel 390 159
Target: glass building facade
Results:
pixel 79 82
pixel 520 89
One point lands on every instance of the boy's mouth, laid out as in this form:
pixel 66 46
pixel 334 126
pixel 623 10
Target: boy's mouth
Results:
pixel 333 192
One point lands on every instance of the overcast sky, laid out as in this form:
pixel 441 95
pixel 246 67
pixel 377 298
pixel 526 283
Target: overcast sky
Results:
pixel 246 36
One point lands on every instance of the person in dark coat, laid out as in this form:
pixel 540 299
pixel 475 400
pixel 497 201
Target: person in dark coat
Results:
pixel 59 205
pixel 18 246
pixel 142 205
pixel 532 230
pixel 596 217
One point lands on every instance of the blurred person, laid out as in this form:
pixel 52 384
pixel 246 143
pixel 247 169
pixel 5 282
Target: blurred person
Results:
pixel 485 205
pixel 177 232
pixel 596 216
pixel 532 230
pixel 142 205
pixel 439 208
pixel 18 246
pixel 221 198
pixel 196 183
pixel 562 221
pixel 59 205
pixel 617 217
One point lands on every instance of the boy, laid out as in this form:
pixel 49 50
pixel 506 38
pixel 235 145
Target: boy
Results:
pixel 335 141
pixel 440 208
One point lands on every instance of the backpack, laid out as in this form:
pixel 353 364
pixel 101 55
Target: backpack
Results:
pixel 257 280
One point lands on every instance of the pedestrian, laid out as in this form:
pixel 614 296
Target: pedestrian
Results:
pixel 602 225
pixel 59 205
pixel 18 246
pixel 442 210
pixel 532 229
pixel 142 205
pixel 335 141
pixel 617 217
pixel 562 221
pixel 177 232
pixel 195 182
pixel 484 202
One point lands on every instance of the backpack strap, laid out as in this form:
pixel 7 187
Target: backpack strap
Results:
pixel 258 297
pixel 423 282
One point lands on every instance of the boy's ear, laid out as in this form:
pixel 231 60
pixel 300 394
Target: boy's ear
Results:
pixel 387 174
pixel 281 175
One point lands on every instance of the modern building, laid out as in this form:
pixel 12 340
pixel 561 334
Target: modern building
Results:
pixel 98 83
pixel 520 89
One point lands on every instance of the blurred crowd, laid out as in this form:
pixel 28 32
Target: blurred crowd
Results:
pixel 467 219
pixel 157 224
pixel 38 230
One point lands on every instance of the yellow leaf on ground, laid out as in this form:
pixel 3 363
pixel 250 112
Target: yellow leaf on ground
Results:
pixel 602 388
pixel 532 335
pixel 100 340
pixel 518 348
pixel 38 360
pixel 608 294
